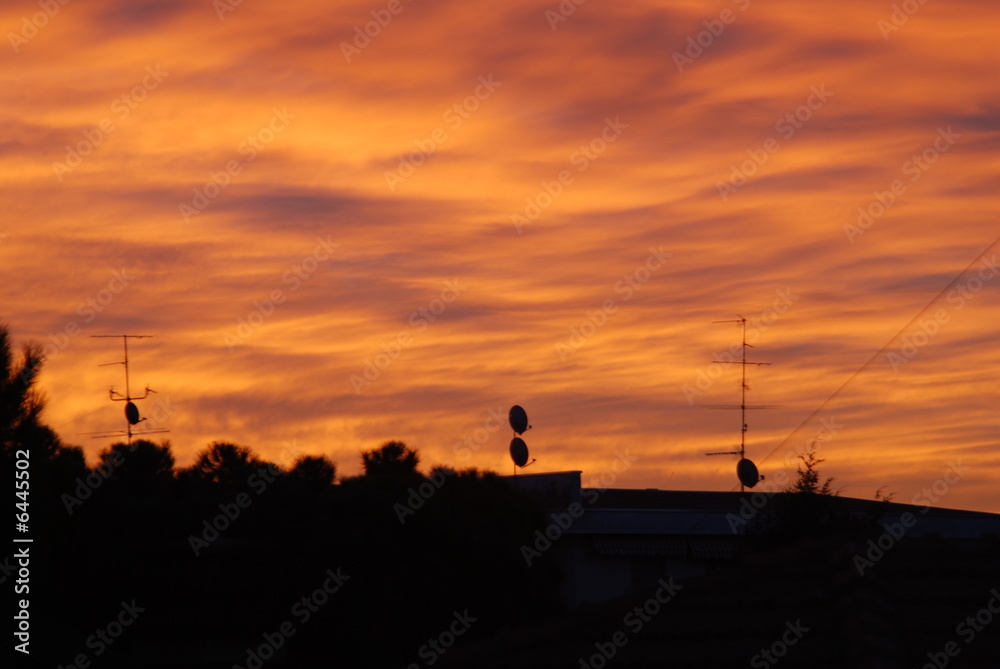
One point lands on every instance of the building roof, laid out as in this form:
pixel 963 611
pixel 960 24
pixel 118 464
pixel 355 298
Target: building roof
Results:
pixel 688 512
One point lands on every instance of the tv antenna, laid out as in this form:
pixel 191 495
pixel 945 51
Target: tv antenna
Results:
pixel 131 410
pixel 518 419
pixel 746 470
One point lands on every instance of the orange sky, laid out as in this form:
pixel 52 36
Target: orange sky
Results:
pixel 458 197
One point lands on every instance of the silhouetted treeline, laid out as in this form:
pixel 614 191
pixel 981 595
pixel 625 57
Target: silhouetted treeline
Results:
pixel 218 557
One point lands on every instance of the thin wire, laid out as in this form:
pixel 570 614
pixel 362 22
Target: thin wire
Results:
pixel 80 417
pixel 870 360
pixel 879 351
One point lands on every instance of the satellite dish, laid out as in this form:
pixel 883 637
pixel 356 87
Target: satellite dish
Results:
pixel 132 413
pixel 518 451
pixel 518 418
pixel 747 472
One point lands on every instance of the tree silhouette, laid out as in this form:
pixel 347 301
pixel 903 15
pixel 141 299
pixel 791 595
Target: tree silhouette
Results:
pixel 225 463
pixel 141 467
pixel 808 478
pixel 20 403
pixel 807 508
pixel 391 460
pixel 314 471
pixel 68 463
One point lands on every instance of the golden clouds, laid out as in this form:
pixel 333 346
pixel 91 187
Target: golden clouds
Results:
pixel 415 156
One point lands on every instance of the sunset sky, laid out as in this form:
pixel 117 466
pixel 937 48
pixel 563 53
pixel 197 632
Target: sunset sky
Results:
pixel 340 238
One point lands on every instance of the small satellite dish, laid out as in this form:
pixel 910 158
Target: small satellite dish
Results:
pixel 518 418
pixel 132 413
pixel 747 472
pixel 519 451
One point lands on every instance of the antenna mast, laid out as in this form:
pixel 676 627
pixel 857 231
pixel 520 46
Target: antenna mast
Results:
pixel 742 406
pixel 131 410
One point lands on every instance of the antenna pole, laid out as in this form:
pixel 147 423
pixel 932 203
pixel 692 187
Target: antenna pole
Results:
pixel 743 391
pixel 125 362
pixel 128 393
pixel 743 395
